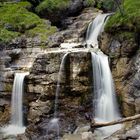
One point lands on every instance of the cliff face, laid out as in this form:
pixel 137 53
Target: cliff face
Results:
pixel 121 43
pixel 27 54
pixel 74 94
pixel 42 58
pixel 124 59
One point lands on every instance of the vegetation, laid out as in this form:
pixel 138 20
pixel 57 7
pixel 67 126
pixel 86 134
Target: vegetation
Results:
pixel 52 5
pixel 6 36
pixel 90 2
pixel 16 20
pixel 106 5
pixel 129 21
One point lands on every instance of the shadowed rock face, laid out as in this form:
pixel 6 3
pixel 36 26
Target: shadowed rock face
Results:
pixel 72 8
pixel 75 99
pixel 75 92
pixel 125 63
pixel 23 54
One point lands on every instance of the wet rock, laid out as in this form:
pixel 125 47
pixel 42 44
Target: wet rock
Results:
pixel 87 136
pixel 37 109
pixel 137 104
pixel 5 115
pixel 55 40
pixel 82 136
pixel 73 28
pixel 74 92
pixel 133 133
pixel 125 69
pixel 18 43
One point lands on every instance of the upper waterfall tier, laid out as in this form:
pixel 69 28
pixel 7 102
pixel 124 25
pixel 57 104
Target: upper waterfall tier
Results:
pixel 94 29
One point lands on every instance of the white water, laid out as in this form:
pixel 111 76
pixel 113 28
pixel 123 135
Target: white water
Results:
pixel 53 125
pixel 69 46
pixel 105 104
pixel 58 84
pixel 94 29
pixel 16 125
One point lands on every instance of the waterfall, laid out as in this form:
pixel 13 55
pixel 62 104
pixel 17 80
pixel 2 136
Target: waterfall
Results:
pixel 58 84
pixel 105 104
pixel 53 125
pixel 94 29
pixel 104 100
pixel 16 125
pixel 17 94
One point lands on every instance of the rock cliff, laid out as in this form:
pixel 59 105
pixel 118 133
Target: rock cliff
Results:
pixel 42 58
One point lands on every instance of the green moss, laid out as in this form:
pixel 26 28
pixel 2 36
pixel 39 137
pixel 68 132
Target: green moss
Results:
pixel 41 31
pixel 125 35
pixel 90 2
pixel 16 20
pixel 130 20
pixel 8 87
pixel 6 35
pixel 107 5
pixel 52 5
pixel 24 4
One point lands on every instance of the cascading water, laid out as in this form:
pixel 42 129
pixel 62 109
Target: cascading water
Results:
pixel 16 125
pixel 94 29
pixel 104 102
pixel 54 123
pixel 58 84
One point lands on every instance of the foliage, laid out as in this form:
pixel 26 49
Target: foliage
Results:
pixel 107 5
pixel 129 21
pixel 42 31
pixel 15 20
pixel 6 35
pixel 52 5
pixel 125 35
pixel 90 2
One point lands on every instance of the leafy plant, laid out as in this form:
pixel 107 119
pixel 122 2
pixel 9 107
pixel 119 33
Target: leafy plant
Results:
pixel 16 20
pixel 107 5
pixel 130 20
pixel 52 5
pixel 90 2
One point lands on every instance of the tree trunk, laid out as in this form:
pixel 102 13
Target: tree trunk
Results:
pixel 97 125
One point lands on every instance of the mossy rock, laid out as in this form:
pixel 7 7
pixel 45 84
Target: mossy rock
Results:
pixel 53 9
pixel 57 10
pixel 8 87
pixel 129 20
pixel 125 35
pixel 106 5
pixel 52 5
pixel 15 20
pixel 89 3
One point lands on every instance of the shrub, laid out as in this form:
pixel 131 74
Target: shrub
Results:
pixel 130 20
pixel 52 5
pixel 15 20
pixel 90 3
pixel 106 5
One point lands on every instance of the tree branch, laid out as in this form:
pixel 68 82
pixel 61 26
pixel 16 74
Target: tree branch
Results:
pixel 97 125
